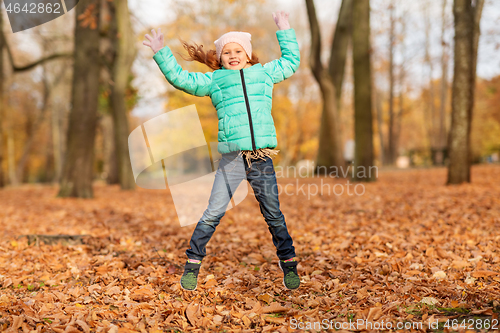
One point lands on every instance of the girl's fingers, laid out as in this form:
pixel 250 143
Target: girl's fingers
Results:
pixel 146 43
pixel 154 33
pixel 159 31
pixel 148 37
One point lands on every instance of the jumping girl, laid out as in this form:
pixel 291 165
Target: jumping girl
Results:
pixel 241 92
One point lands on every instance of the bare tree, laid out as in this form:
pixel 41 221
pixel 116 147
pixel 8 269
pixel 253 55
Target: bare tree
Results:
pixel 7 128
pixel 430 106
pixel 124 57
pixel 338 53
pixel 330 83
pixel 77 176
pixel 363 122
pixel 444 89
pixel 467 15
pixel 402 83
pixel 390 155
pixel 47 89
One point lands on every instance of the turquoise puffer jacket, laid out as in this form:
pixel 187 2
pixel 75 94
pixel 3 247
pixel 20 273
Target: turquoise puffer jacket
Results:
pixel 242 98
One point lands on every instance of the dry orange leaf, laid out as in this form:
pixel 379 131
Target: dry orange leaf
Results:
pixel 265 298
pixel 479 274
pixel 193 313
pixel 274 308
pixel 274 320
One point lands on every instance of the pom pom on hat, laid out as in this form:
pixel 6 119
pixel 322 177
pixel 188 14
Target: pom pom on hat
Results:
pixel 242 38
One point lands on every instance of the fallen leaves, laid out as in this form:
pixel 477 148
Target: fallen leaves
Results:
pixel 407 248
pixel 483 273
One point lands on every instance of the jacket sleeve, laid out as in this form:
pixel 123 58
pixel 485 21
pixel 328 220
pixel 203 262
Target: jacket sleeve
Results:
pixel 197 84
pixel 284 67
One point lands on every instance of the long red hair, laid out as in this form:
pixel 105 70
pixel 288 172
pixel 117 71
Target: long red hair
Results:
pixel 209 58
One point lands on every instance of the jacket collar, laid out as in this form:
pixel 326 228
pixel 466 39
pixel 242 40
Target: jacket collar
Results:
pixel 244 69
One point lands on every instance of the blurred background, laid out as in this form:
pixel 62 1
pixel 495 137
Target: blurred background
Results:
pixel 75 87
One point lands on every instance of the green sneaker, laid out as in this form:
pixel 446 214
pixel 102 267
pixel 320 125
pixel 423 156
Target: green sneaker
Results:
pixel 189 279
pixel 291 279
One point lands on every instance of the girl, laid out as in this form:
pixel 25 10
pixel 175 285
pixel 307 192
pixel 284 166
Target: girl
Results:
pixel 241 92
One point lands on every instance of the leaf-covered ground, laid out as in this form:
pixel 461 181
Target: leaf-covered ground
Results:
pixel 409 250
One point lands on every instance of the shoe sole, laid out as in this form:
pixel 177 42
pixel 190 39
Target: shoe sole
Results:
pixel 283 281
pixel 188 289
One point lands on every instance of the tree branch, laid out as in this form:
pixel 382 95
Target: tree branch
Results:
pixel 33 64
pixel 315 58
pixel 341 37
pixel 40 61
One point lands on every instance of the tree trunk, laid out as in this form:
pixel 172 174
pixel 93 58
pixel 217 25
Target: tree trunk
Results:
pixel 363 123
pixel 444 88
pixel 330 150
pixel 390 147
pixel 56 125
pixel 467 18
pixel 11 153
pixel 77 176
pixel 338 53
pixel 432 132
pixel 109 151
pixel 402 78
pixel 378 107
pixel 124 43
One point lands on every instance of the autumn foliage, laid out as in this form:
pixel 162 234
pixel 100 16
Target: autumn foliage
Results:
pixel 408 249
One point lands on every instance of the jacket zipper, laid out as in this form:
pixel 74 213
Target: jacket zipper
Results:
pixel 248 108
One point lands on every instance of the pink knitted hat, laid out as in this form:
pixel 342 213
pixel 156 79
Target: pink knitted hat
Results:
pixel 242 38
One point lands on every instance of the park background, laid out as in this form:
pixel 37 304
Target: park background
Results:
pixel 417 246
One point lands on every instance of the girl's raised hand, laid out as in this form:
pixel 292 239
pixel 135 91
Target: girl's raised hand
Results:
pixel 155 42
pixel 281 19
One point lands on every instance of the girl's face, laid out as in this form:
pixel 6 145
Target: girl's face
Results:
pixel 233 56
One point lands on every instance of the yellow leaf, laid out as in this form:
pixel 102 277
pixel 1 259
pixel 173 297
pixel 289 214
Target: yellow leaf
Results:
pixel 265 298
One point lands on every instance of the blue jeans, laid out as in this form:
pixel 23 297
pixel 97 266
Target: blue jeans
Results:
pixel 262 177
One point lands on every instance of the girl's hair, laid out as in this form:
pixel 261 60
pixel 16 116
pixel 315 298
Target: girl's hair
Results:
pixel 208 58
